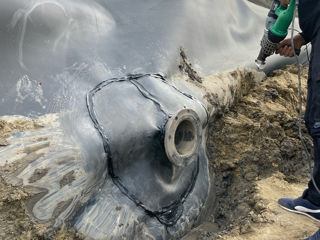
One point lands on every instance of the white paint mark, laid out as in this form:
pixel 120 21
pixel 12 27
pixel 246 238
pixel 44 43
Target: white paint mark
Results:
pixel 24 14
pixel 29 89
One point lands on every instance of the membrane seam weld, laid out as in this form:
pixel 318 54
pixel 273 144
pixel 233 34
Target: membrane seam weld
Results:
pixel 170 214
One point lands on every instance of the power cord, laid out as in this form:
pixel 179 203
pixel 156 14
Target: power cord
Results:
pixel 300 102
pixel 308 55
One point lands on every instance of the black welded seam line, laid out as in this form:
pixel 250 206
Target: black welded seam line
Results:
pixel 186 193
pixel 107 149
pixel 115 178
pixel 183 196
pixel 93 117
pixel 125 191
pixel 144 93
pixel 89 101
pixel 157 75
pixel 195 99
pixel 185 94
pixel 120 185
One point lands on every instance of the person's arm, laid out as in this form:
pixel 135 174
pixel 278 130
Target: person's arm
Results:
pixel 285 47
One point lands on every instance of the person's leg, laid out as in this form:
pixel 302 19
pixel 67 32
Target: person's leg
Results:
pixel 312 118
pixel 313 104
pixel 309 203
pixel 309 97
pixel 312 194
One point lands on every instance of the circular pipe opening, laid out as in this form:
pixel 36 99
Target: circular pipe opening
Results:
pixel 184 138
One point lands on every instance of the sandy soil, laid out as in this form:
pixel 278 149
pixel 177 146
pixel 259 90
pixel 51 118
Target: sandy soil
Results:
pixel 277 224
pixel 257 156
pixel 272 222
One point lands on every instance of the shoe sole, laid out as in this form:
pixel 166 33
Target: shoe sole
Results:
pixel 302 213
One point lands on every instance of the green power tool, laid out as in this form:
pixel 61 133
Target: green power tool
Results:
pixel 277 24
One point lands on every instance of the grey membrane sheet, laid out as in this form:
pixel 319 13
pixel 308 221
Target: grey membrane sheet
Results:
pixel 53 53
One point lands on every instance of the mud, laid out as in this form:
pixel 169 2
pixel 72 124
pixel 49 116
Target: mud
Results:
pixel 38 174
pixel 253 147
pixel 67 179
pixel 185 66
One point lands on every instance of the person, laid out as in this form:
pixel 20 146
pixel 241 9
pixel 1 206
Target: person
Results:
pixel 309 21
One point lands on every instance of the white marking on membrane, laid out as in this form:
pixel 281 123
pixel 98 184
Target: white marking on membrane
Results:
pixel 24 14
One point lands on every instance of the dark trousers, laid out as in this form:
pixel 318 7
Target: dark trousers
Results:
pixel 312 116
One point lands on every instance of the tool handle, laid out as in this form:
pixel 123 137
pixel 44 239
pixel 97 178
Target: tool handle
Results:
pixel 285 16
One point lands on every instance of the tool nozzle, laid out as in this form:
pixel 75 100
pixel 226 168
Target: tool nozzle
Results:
pixel 259 64
pixel 261 60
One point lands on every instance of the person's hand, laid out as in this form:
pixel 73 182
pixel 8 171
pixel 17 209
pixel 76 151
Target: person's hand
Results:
pixel 285 48
pixel 285 3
